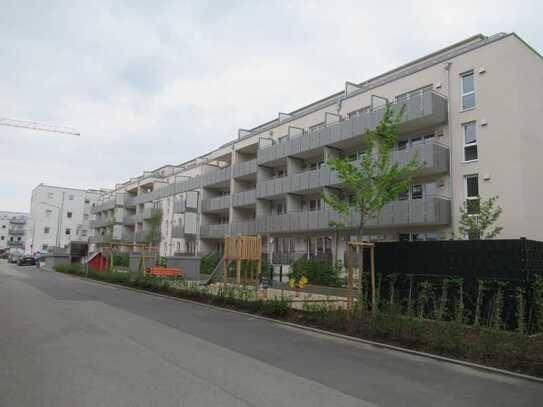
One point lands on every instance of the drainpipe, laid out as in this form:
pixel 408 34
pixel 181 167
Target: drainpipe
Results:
pixel 450 131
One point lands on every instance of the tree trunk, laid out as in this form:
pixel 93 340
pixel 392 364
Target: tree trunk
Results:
pixel 361 260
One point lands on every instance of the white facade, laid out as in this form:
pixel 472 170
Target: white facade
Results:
pixel 13 230
pixel 472 108
pixel 58 216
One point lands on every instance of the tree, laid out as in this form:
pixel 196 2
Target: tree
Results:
pixel 477 220
pixel 153 234
pixel 377 179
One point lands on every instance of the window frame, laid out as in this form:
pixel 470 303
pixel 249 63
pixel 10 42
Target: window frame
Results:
pixel 472 144
pixel 472 92
pixel 471 198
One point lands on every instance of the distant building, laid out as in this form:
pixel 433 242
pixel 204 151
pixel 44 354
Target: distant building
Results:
pixel 59 216
pixel 13 230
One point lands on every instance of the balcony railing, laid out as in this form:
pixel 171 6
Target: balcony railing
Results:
pixel 421 111
pixel 216 176
pixel 243 228
pixel 244 168
pixel 216 204
pixel 102 222
pixel 179 206
pixel 129 220
pixel 148 213
pixel 432 210
pixel 214 231
pixel 434 159
pixel 17 232
pixel 178 232
pixel 286 258
pixel 15 243
pixel 245 198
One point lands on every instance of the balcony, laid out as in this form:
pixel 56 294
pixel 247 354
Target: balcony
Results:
pixel 217 176
pixel 17 221
pixel 179 206
pixel 146 197
pixel 434 158
pixel 430 211
pixel 16 243
pixel 102 222
pixel 245 198
pixel 104 206
pixel 421 111
pixel 216 204
pixel 148 213
pixel 286 258
pixel 130 201
pixel 214 231
pixel 129 220
pixel 178 232
pixel 244 168
pixel 243 228
pixel 16 232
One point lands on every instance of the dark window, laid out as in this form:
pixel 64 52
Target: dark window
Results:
pixel 69 214
pixel 68 231
pixel 416 192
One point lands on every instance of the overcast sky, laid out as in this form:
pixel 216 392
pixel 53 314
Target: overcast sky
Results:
pixel 158 82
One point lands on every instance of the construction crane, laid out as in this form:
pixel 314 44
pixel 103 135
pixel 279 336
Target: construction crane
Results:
pixel 32 125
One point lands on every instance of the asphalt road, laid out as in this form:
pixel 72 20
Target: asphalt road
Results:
pixel 69 342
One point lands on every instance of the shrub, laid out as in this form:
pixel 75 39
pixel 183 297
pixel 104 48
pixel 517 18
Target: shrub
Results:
pixel 208 262
pixel 316 271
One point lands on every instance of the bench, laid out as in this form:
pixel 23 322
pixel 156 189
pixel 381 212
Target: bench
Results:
pixel 164 272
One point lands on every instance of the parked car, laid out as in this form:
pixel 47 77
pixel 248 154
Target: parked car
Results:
pixel 26 261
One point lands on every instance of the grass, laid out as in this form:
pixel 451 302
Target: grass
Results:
pixel 484 345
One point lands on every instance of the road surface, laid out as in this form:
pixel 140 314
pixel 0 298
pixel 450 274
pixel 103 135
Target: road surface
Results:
pixel 69 342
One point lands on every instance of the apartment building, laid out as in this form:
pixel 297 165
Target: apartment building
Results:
pixel 13 227
pixel 58 216
pixel 471 113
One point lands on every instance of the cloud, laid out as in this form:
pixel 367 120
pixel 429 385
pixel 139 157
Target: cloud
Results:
pixel 156 82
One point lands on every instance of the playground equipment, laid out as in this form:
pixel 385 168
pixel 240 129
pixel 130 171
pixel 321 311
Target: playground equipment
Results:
pixel 238 248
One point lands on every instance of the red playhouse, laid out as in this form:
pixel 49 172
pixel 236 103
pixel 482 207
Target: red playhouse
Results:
pixel 97 262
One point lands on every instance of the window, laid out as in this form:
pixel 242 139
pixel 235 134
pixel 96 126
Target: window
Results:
pixel 404 195
pixel 44 246
pixel 70 197
pixel 86 216
pixel 416 192
pixel 468 90
pixel 416 140
pixel 83 233
pixel 280 208
pixel 404 237
pixel 470 141
pixel 402 145
pixel 3 226
pixel 46 230
pixel 19 239
pixel 87 201
pixel 353 156
pixel 2 238
pixel 280 173
pixel 472 193
pixel 48 212
pixel 50 195
pixel 314 204
pixel 68 231
pixel 69 215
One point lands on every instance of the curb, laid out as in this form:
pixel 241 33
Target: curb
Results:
pixel 381 345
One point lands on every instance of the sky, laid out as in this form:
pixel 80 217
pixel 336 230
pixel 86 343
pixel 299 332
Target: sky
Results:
pixel 149 83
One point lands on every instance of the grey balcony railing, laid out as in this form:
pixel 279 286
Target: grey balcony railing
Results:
pixel 216 204
pixel 432 210
pixel 147 197
pixel 244 168
pixel 214 231
pixel 102 222
pixel 179 206
pixel 243 228
pixel 178 232
pixel 101 239
pixel 421 111
pixel 16 232
pixel 15 243
pixel 103 206
pixel 434 159
pixel 129 219
pixel 216 176
pixel 148 213
pixel 129 201
pixel 245 198
pixel 17 221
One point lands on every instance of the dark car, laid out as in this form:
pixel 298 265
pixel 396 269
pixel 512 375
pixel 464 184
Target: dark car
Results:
pixel 26 261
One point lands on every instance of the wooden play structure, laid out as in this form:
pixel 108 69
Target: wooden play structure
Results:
pixel 238 248
pixel 355 246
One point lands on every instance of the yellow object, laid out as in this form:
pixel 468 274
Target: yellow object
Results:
pixel 291 283
pixel 303 281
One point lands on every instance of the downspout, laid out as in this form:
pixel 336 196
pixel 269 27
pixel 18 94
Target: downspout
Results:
pixel 449 130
